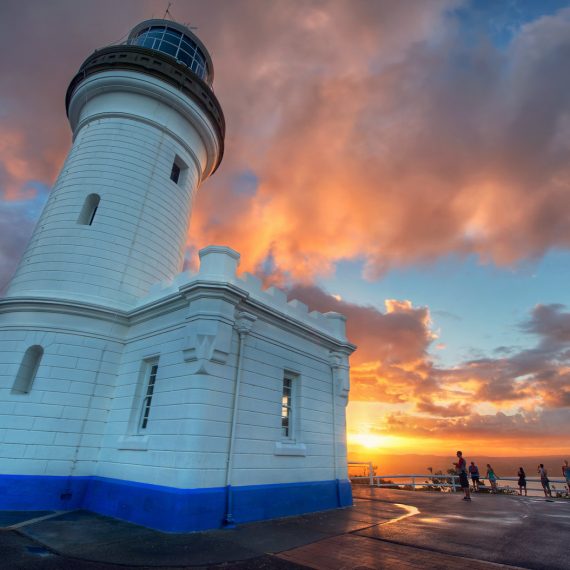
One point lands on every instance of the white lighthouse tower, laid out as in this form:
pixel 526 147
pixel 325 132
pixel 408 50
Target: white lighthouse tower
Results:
pixel 178 401
pixel 147 130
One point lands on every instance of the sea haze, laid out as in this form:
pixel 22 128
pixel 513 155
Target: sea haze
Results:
pixel 418 464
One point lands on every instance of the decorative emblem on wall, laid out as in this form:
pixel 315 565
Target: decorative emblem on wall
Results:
pixel 341 375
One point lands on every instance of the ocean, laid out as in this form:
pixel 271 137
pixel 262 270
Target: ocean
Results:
pixel 386 465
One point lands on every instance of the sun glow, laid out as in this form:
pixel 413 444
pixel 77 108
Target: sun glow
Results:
pixel 374 441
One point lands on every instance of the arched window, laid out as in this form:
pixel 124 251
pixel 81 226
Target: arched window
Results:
pixel 89 210
pixel 28 369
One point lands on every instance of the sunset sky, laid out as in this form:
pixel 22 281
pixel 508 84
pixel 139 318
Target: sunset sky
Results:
pixel 406 163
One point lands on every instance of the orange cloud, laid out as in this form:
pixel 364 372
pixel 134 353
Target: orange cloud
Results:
pixel 437 151
pixel 523 396
pixel 374 133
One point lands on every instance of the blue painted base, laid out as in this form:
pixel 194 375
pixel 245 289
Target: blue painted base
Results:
pixel 166 508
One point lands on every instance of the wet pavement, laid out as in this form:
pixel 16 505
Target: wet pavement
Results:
pixel 389 529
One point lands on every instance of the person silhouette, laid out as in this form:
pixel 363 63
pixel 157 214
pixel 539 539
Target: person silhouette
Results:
pixel 522 481
pixel 461 470
pixel 492 476
pixel 566 473
pixel 545 482
pixel 474 472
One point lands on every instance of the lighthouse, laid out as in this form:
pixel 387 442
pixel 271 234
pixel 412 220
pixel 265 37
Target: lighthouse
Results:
pixel 147 130
pixel 180 401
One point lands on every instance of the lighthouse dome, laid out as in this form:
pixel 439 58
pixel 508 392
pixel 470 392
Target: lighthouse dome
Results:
pixel 177 41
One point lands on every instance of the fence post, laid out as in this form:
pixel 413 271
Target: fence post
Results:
pixel 454 485
pixel 371 474
pixel 414 483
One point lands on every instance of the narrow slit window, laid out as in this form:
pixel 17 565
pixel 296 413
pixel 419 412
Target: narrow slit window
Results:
pixel 147 400
pixel 175 173
pixel 28 369
pixel 287 408
pixel 90 206
pixel 93 215
pixel 178 171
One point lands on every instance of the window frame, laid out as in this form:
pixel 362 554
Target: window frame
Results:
pixel 290 404
pixel 175 173
pixel 184 46
pixel 149 383
pixel 182 171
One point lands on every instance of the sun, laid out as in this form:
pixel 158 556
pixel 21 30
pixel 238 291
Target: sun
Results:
pixel 368 440
pixel 377 441
pixel 373 441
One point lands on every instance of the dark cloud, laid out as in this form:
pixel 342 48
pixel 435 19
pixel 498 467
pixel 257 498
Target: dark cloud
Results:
pixel 399 335
pixel 446 315
pixel 393 362
pixel 551 323
pixel 458 409
pixel 490 427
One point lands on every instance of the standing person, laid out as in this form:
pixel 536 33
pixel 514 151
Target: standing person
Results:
pixel 474 472
pixel 544 480
pixel 492 476
pixel 522 481
pixel 461 470
pixel 566 473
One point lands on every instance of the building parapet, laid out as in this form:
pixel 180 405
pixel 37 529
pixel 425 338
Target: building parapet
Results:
pixel 219 264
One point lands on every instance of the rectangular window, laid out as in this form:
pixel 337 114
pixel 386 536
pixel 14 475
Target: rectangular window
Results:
pixel 287 407
pixel 147 400
pixel 178 171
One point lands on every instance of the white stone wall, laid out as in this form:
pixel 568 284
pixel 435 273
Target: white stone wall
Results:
pixel 125 145
pixel 186 442
pixel 155 454
pixel 82 415
pixel 56 428
pixel 263 456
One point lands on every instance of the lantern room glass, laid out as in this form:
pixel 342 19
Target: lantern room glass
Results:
pixel 175 44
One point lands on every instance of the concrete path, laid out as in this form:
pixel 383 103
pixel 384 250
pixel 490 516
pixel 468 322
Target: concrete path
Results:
pixel 385 529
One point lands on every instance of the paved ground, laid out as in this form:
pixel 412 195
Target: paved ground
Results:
pixel 386 529
pixel 446 532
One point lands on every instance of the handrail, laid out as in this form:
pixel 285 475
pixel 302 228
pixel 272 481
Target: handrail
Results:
pixel 429 479
pixel 370 469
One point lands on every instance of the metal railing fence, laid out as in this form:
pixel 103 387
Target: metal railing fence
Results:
pixel 425 481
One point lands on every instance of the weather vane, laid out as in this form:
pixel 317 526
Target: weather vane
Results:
pixel 167 12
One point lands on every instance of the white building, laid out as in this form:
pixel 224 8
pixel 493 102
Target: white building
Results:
pixel 174 400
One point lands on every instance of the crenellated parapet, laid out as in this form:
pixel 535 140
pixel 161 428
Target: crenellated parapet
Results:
pixel 219 265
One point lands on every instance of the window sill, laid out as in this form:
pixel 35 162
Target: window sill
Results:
pixel 133 443
pixel 290 448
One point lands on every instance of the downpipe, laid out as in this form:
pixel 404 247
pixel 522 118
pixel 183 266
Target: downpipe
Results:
pixel 244 323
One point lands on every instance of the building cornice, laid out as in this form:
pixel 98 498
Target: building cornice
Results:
pixel 174 301
pixel 293 325
pixel 116 67
pixel 63 306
